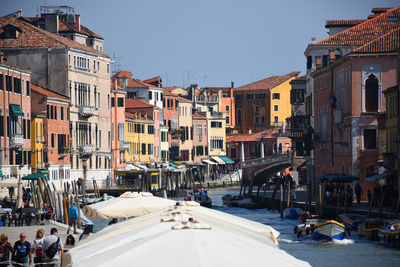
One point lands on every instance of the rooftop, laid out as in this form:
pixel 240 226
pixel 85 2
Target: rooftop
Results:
pixel 268 83
pixel 47 92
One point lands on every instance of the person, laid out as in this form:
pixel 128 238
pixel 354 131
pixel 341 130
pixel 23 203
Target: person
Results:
pixel 108 179
pixel 80 180
pixel 22 251
pixel 358 190
pixel 6 203
pixel 85 233
pixel 73 217
pixel 369 195
pixel 47 213
pixel 5 250
pixel 11 191
pixel 37 248
pixel 349 193
pixel 70 242
pixel 47 242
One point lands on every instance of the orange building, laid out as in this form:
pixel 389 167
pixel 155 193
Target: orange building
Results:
pixel 226 103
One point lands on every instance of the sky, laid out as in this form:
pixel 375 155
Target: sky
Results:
pixel 207 42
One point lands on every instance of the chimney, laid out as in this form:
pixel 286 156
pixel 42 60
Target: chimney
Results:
pixel 51 23
pixel 77 22
pixel 331 56
pixel 232 85
pixel 317 62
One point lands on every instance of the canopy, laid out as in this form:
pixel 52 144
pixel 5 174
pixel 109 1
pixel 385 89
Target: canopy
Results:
pixel 17 111
pixel 10 182
pixel 35 176
pixel 182 236
pixel 218 160
pixel 172 164
pixel 209 162
pixel 2 175
pixel 227 160
pixel 127 205
pixel 377 177
pixel 343 178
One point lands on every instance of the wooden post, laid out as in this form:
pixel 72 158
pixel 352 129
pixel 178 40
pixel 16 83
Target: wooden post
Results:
pixel 339 194
pixel 323 198
pixel 281 201
pixel 381 203
pixel 288 195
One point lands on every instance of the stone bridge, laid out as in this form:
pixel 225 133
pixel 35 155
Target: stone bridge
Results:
pixel 258 171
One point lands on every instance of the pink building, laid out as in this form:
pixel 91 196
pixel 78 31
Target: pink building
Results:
pixel 200 148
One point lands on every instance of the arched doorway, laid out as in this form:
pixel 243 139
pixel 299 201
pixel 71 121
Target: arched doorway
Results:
pixel 371 94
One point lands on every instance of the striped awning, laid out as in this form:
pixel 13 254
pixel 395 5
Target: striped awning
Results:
pixel 209 162
pixel 218 160
pixel 227 160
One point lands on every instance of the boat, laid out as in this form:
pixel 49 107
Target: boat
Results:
pixel 369 228
pixel 292 213
pixel 201 197
pixel 351 221
pixel 232 201
pixel 389 234
pixel 226 199
pixel 321 230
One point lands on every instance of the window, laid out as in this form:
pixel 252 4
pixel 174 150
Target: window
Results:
pixel 48 111
pixel 150 149
pixel 108 68
pixel 250 96
pixel 52 112
pixel 62 113
pixel 227 119
pixel 28 90
pixel 52 140
pixel 143 149
pixel 369 138
pixel 309 62
pixel 216 124
pixel 108 101
pixel 120 102
pixel 150 95
pixel 371 170
pixel 150 129
pixel 371 94
pixel 227 108
pixel 112 102
pixel 256 109
pixel 276 108
pixel 276 119
pixel 1 81
pixel 276 96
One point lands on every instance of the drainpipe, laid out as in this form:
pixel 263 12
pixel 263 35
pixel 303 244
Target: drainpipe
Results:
pixel 242 152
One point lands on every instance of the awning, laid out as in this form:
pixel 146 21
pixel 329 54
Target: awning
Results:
pixel 343 178
pixel 377 177
pixel 218 160
pixel 2 175
pixel 172 164
pixel 227 160
pixel 209 162
pixel 17 111
pixel 35 176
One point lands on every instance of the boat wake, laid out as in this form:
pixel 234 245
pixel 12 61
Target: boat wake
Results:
pixel 343 242
pixel 289 241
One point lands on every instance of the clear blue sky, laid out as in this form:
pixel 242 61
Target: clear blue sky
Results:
pixel 209 42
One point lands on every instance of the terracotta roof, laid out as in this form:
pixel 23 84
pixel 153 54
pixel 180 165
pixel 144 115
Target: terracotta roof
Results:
pixel 32 36
pixel 268 83
pixel 347 22
pixel 184 99
pixel 121 74
pixel 380 9
pixel 198 115
pixel 364 32
pixel 115 86
pixel 217 88
pixel 132 82
pixel 137 103
pixel 390 42
pixel 154 79
pixel 253 137
pixel 168 91
pixel 47 92
pixel 89 32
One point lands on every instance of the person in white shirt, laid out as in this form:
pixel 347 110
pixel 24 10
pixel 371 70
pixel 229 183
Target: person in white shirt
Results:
pixel 47 242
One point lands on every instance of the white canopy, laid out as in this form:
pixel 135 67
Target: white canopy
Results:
pixel 218 160
pixel 127 205
pixel 181 236
pixel 10 182
pixel 209 162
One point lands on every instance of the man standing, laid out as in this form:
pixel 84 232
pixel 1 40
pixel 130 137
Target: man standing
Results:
pixel 73 217
pixel 52 246
pixel 22 251
pixel 358 190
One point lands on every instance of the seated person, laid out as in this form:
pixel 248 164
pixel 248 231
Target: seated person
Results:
pixel 47 213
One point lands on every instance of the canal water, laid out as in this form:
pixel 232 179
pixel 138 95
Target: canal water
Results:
pixel 353 251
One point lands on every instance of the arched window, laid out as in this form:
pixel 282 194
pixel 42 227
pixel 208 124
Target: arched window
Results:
pixel 371 94
pixel 280 148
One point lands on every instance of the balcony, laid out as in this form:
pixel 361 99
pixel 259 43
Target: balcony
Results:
pixel 86 150
pixel 294 133
pixel 63 152
pixel 123 145
pixel 86 111
pixel 16 140
pixel 207 99
pixel 217 115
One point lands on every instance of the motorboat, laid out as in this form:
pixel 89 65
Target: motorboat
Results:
pixel 292 213
pixel 351 221
pixel 321 230
pixel 369 228
pixel 201 197
pixel 389 234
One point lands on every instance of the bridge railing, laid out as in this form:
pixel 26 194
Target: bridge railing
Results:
pixel 269 159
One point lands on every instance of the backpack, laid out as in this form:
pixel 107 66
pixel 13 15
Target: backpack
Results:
pixel 52 250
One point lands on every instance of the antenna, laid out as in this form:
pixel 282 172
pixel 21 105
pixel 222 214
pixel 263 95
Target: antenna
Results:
pixel 117 63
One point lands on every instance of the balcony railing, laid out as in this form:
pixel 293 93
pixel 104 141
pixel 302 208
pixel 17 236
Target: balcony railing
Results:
pixel 123 145
pixel 269 159
pixel 86 111
pixel 217 114
pixel 294 133
pixel 16 140
pixel 208 99
pixel 86 150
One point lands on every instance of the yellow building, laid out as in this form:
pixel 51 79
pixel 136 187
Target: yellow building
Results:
pixel 280 108
pixel 37 142
pixel 216 133
pixel 139 132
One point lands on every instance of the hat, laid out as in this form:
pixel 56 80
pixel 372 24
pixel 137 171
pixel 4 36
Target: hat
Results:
pixel 53 230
